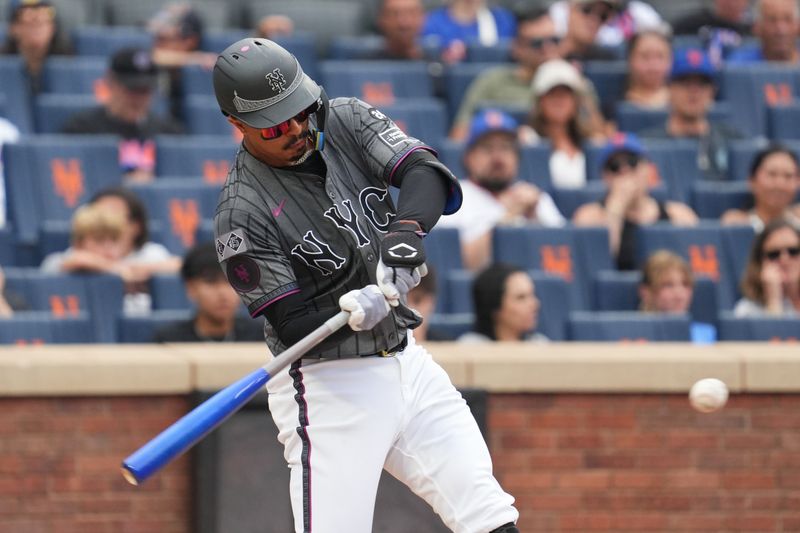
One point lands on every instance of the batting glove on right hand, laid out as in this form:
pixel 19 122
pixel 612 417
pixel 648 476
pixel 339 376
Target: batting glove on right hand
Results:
pixel 402 261
pixel 367 307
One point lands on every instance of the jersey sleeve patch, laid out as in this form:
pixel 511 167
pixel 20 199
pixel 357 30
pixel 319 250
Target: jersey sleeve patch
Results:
pixel 231 244
pixel 394 136
pixel 243 273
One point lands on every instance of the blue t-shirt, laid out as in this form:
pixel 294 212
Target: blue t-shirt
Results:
pixel 745 54
pixel 439 23
pixel 702 333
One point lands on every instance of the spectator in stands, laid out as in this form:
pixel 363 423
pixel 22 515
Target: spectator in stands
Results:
pixel 463 22
pixel 493 193
pixel 667 286
pixel 274 27
pixel 216 304
pixel 771 281
pixel 579 42
pixel 506 307
pixel 649 64
pixel 731 15
pixel 34 35
pixel 691 95
pixel 558 118
pixel 177 35
pixel 8 134
pixel 127 113
pixel 777 26
pixel 10 302
pixel 627 173
pixel 400 23
pixel 422 299
pixel 620 20
pixel 144 257
pixel 774 182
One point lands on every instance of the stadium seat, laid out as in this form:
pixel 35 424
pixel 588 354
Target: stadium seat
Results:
pixel 54 236
pixel 103 41
pixel 741 154
pixel 380 83
pixel 218 40
pixel 619 291
pixel 497 53
pixel 703 246
pixel 569 200
pixel 16 94
pixel 203 117
pixel 751 88
pixel 573 254
pixel 710 199
pixel 74 75
pixel 180 205
pixel 732 328
pixel 783 121
pixel 443 250
pixel 457 79
pixel 209 157
pixel 48 176
pixel 214 14
pixel 633 118
pixel 631 326
pixel 423 118
pixel 51 111
pixel 608 78
pixel 452 325
pixel 737 241
pixel 141 329
pixel 167 292
pixel 32 328
pixel 348 47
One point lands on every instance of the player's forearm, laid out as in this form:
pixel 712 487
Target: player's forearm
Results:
pixel 423 194
pixel 292 320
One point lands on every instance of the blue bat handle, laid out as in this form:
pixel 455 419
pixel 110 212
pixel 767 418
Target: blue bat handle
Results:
pixel 184 433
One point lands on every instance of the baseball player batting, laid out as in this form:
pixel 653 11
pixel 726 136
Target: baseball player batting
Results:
pixel 305 229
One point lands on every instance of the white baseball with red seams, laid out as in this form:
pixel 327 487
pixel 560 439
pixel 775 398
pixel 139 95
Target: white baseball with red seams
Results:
pixel 708 395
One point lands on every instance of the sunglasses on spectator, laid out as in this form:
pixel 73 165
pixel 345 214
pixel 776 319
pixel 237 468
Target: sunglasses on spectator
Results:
pixel 616 164
pixel 540 42
pixel 774 255
pixel 280 129
pixel 602 11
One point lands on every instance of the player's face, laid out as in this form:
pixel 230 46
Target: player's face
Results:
pixel 672 292
pixel 291 144
pixel 215 298
pixel 519 309
pixel 782 248
pixel 775 183
pixel 493 161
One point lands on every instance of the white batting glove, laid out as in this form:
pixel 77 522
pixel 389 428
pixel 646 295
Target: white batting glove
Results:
pixel 367 307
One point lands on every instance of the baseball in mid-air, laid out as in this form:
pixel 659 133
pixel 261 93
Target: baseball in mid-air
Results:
pixel 708 395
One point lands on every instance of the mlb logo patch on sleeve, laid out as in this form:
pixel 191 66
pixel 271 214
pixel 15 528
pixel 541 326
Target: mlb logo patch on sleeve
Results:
pixel 231 244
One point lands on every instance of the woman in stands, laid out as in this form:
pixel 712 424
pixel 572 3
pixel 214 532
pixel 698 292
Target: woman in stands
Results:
pixel 771 282
pixel 649 63
pixel 774 182
pixel 34 35
pixel 506 306
pixel 667 286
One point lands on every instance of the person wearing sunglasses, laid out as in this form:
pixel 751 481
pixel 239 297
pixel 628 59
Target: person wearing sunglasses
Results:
pixel 628 204
pixel 585 21
pixel 619 20
pixel 774 183
pixel 771 282
pixel 306 228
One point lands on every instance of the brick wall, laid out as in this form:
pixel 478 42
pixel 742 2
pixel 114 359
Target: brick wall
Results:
pixel 649 462
pixel 59 467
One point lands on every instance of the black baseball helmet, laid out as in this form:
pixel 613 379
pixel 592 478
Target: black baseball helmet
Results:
pixel 261 83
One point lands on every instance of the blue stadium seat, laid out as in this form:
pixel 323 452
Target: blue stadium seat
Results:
pixel 574 254
pixel 783 121
pixel 208 157
pixel 377 82
pixel 8 246
pixel 16 93
pixel 497 53
pixel 443 250
pixel 104 41
pixel 633 118
pixel 217 40
pixel 423 118
pixel 710 199
pixel 737 241
pixel 347 47
pixel 452 325
pixel 611 326
pixel 758 329
pixel 48 176
pixel 751 88
pixel 608 78
pixel 702 246
pixel 73 75
pixel 168 292
pixel 203 117
pixel 28 328
pixel 457 79
pixel 740 154
pixel 180 205
pixel 569 200
pixel 214 14
pixel 51 111
pixel 619 291
pixel 141 329
pixel 196 80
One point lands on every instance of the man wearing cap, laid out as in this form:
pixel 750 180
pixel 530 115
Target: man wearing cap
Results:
pixel 127 112
pixel 777 26
pixel 627 173
pixel 493 193
pixel 691 95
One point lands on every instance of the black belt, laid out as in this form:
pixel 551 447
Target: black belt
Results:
pixel 391 352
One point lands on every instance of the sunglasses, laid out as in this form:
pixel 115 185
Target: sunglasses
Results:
pixel 774 255
pixel 616 164
pixel 540 42
pixel 276 131
pixel 602 11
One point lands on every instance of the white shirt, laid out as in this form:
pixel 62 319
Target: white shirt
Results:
pixel 617 30
pixel 481 211
pixel 8 134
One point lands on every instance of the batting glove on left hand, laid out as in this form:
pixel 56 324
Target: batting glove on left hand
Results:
pixel 367 307
pixel 402 262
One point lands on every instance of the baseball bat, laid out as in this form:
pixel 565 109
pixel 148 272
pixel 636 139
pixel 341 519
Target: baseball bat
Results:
pixel 204 418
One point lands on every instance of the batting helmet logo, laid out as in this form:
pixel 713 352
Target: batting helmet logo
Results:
pixel 276 80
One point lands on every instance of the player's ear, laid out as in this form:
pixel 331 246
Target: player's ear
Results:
pixel 239 125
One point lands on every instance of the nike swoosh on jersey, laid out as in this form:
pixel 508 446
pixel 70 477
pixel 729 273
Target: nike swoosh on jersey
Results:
pixel 277 210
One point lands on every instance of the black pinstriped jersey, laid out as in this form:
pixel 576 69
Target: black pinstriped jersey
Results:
pixel 281 232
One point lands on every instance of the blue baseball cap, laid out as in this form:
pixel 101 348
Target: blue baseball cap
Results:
pixel 692 62
pixel 15 6
pixel 491 121
pixel 621 142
